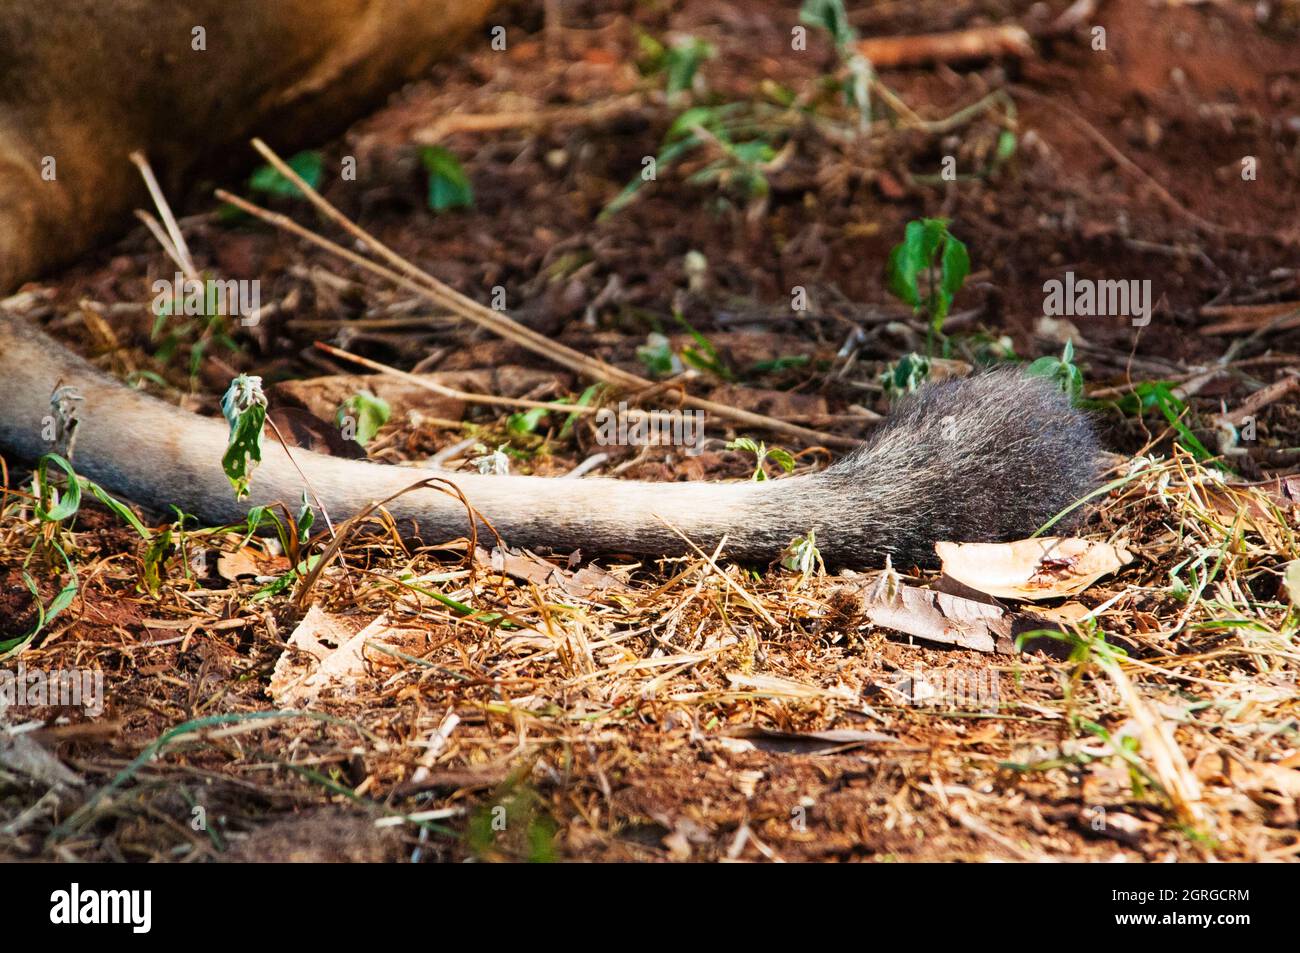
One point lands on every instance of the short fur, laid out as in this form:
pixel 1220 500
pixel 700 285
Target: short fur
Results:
pixel 85 82
pixel 989 458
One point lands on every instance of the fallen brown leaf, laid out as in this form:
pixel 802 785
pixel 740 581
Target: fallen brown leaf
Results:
pixel 1047 567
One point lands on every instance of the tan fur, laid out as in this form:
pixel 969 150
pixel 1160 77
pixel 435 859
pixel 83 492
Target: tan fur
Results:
pixel 88 81
pixel 989 458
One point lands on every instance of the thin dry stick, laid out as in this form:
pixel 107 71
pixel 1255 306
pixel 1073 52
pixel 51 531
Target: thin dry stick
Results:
pixel 505 326
pixel 472 398
pixel 160 236
pixel 329 524
pixel 173 229
pixel 731 583
pixel 546 116
pixel 566 357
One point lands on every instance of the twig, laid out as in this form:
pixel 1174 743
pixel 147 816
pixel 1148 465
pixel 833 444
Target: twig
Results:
pixel 472 398
pixel 160 200
pixel 419 281
pixel 987 42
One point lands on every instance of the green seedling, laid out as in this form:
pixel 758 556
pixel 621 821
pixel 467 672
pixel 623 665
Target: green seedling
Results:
pixel 361 415
pixel 927 269
pixel 244 407
pixel 762 453
pixel 449 186
pixel 1062 370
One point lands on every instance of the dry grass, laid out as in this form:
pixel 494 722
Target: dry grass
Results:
pixel 671 713
pixel 693 709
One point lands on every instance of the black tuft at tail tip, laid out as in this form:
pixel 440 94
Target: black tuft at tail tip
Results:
pixel 988 458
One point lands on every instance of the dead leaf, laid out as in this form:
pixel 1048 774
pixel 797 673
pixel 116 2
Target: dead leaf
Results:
pixel 1067 613
pixel 1115 824
pixel 1291 581
pixel 941 617
pixel 1048 567
pixel 808 742
pixel 1219 767
pixel 232 566
pixel 1259 775
pixel 775 687
pixel 21 753
pixel 336 655
pixel 589 582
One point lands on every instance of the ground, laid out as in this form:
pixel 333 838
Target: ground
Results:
pixel 700 710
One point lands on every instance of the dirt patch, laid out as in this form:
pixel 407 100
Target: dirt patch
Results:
pixel 621 728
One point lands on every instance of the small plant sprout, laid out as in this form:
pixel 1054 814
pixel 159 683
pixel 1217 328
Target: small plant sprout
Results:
pixel 831 16
pixel 244 407
pixel 927 269
pixel 494 462
pixel 194 314
pixel 803 556
pixel 525 422
pixel 449 186
pixel 744 149
pixel 306 517
pixel 658 357
pixel 1062 370
pixel 703 356
pixel 681 62
pixel 907 374
pixel 361 416
pixel 51 508
pixel 1159 395
pixel 762 453
pixel 267 180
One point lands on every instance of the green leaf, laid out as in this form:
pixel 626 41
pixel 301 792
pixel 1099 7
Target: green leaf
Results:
pixel 928 246
pixel 782 458
pixel 681 63
pixel 587 396
pixel 306 517
pixel 56 512
pixel 449 186
pixel 801 555
pixel 1006 147
pixel 45 614
pixel 657 356
pixel 909 258
pixel 368 413
pixel 831 16
pixel 118 507
pixel 285 581
pixel 705 357
pixel 524 423
pixel 244 406
pixel 955 267
pixel 309 166
pixel 911 371
pixel 1062 370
